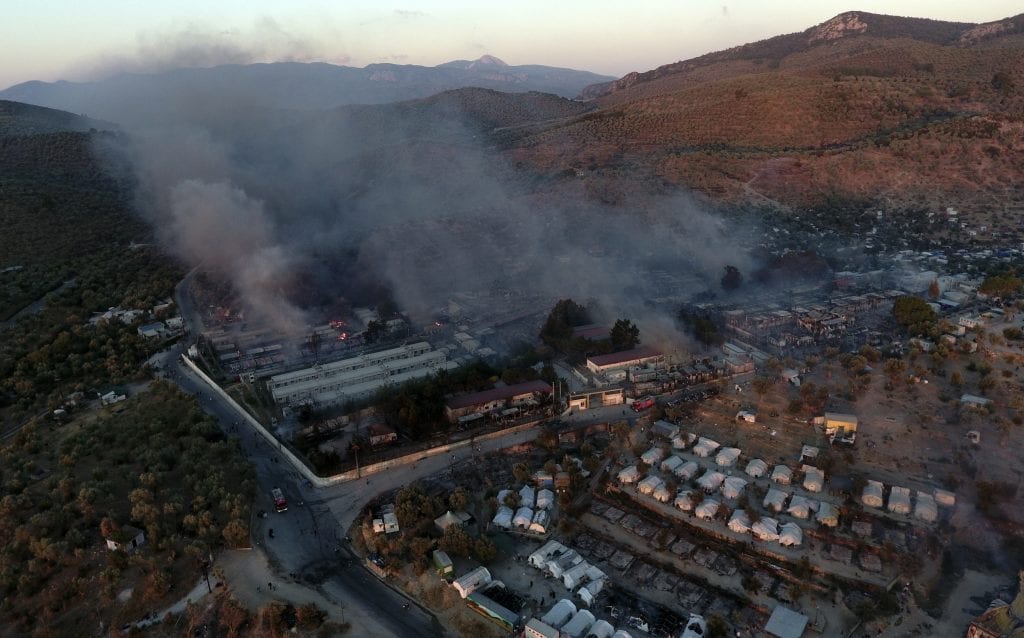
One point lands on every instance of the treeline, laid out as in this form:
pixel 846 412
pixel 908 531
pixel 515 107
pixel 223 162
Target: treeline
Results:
pixel 159 464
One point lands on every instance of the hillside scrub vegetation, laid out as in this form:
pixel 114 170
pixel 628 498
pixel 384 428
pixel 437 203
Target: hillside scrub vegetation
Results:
pixel 156 463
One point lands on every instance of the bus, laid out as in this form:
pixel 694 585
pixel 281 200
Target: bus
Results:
pixel 279 503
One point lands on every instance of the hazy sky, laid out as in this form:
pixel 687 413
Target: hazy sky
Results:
pixel 82 39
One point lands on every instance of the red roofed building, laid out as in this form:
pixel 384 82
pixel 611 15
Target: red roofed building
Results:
pixel 516 395
pixel 641 356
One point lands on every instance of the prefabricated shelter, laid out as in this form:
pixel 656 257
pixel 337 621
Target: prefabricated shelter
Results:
pixel 472 581
pixel 683 440
pixel 687 470
pixel 561 564
pixel 790 535
pixel 390 523
pixel 727 456
pixel 652 456
pixel 442 563
pixel 739 522
pixel 588 593
pixel 671 463
pixel 629 475
pixel 662 494
pixel 808 453
pixel 872 494
pixel 799 506
pixel 579 624
pixel 575 575
pixel 601 629
pixel 545 499
pixel 925 507
pixel 541 521
pixel 540 557
pixel 649 484
pixel 504 517
pixel 711 480
pixel 828 514
pixel 899 500
pixel 733 486
pixel 705 447
pixel 786 623
pixel 814 479
pixel 523 517
pixel 840 424
pixel 126 539
pixel 665 429
pixel 944 498
pixel 683 500
pixel 539 629
pixel 756 468
pixel 707 509
pixel 559 614
pixel 782 475
pixel 526 496
pixel 775 499
pixel 766 529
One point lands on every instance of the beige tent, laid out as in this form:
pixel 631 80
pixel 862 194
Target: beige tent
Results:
pixel 872 494
pixel 740 522
pixel 925 508
pixel 828 515
pixel 707 509
pixel 775 499
pixel 782 475
pixel 756 468
pixel 899 500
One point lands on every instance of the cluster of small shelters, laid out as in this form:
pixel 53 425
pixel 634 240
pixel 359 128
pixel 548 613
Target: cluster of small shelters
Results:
pixel 532 513
pixel 563 620
pixel 561 562
pixel 924 506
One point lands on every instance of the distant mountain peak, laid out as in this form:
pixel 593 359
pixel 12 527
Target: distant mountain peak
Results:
pixel 487 60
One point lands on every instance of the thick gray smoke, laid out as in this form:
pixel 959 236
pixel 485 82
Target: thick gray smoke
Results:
pixel 413 198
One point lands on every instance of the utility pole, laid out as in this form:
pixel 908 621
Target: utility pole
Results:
pixel 355 448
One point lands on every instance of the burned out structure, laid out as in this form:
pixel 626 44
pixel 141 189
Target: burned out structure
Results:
pixel 506 400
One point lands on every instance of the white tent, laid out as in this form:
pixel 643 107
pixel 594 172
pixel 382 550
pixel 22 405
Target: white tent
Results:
pixel 662 494
pixel 601 629
pixel 814 479
pixel 944 498
pixel 683 501
pixel 594 573
pixel 711 480
pixel 925 508
pixel 727 456
pixel 575 576
pixel 775 499
pixel 503 518
pixel 899 500
pixel 556 566
pixel 705 447
pixel 622 633
pixel 526 496
pixel 501 496
pixel 559 614
pixel 671 463
pixel 828 515
pixel 545 499
pixel 872 494
pixel 707 509
pixel 732 487
pixel 578 626
pixel 756 468
pixel 652 456
pixel 767 529
pixel 683 440
pixel 589 592
pixel 649 484
pixel 541 521
pixel 687 470
pixel 523 517
pixel 799 506
pixel 540 557
pixel 790 535
pixel 782 475
pixel 472 581
pixel 629 475
pixel 740 522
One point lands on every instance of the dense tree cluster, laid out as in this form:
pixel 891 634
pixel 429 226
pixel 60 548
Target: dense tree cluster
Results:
pixel 914 314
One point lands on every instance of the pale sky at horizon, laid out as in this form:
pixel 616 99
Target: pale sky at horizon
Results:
pixel 77 40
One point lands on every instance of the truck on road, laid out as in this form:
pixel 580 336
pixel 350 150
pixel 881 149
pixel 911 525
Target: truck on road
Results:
pixel 280 504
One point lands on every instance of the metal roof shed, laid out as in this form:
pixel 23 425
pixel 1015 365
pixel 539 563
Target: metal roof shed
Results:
pixel 786 623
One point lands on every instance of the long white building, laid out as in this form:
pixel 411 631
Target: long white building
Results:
pixel 333 384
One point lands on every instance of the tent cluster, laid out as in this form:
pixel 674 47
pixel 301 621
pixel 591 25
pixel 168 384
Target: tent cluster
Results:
pixel 558 561
pixel 924 506
pixel 533 513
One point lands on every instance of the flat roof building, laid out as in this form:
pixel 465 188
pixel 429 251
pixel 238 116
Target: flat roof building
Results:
pixel 496 398
pixel 628 359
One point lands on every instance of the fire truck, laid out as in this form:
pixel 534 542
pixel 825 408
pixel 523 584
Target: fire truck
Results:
pixel 280 504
